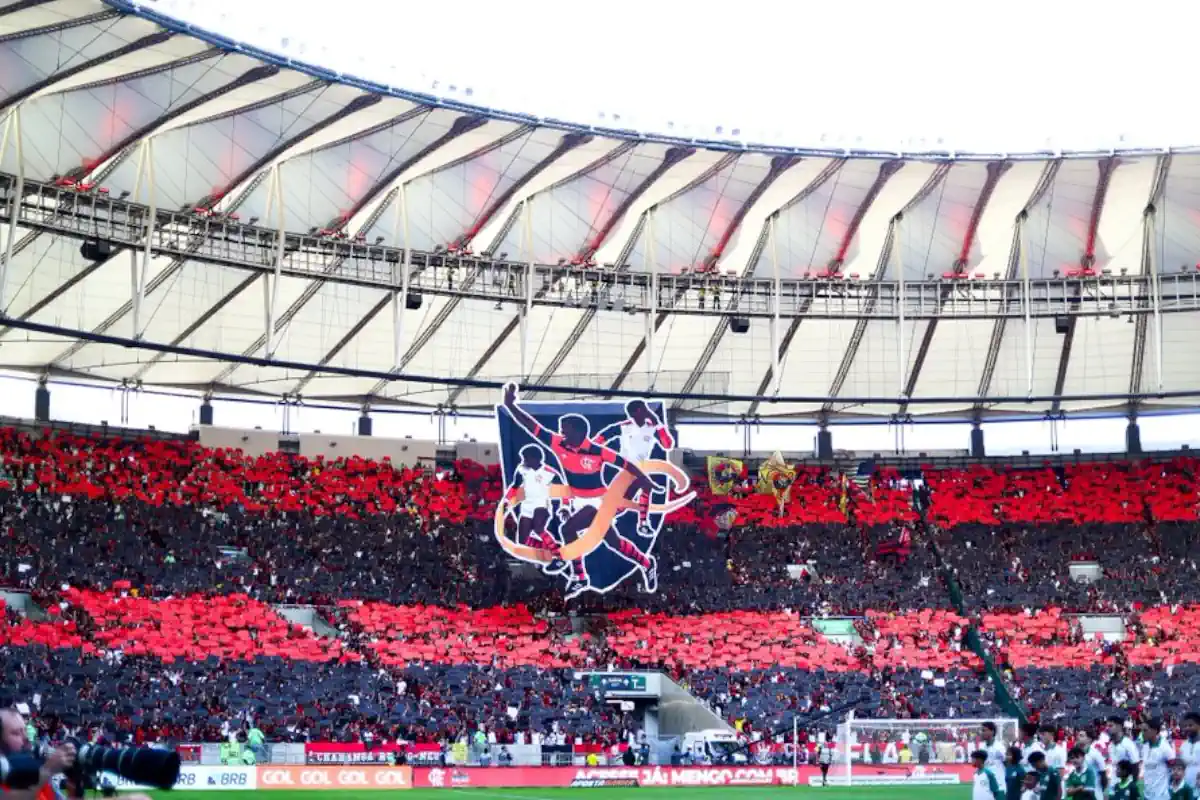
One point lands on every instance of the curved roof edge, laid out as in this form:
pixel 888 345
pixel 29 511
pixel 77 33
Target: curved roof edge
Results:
pixel 220 40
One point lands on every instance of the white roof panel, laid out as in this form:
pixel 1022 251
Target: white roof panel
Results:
pixel 535 189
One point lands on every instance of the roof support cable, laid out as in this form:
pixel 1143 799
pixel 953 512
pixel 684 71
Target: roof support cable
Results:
pixel 901 354
pixel 400 298
pixel 1155 304
pixel 527 306
pixel 1023 260
pixel 776 302
pixel 137 271
pixel 12 130
pixel 652 306
pixel 271 282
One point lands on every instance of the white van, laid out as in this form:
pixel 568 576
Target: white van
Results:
pixel 714 746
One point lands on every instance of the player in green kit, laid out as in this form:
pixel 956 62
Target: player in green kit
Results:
pixel 1014 773
pixel 1049 783
pixel 986 787
pixel 1180 788
pixel 1125 787
pixel 1083 783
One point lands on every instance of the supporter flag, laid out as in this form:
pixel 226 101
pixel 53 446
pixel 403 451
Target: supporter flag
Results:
pixel 862 476
pixel 775 478
pixel 725 515
pixel 723 473
pixel 720 517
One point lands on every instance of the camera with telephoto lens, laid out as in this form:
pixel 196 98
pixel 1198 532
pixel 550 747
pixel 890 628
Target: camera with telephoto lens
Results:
pixel 143 766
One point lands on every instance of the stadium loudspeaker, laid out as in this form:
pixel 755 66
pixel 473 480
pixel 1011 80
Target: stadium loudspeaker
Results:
pixel 1133 439
pixel 206 413
pixel 824 443
pixel 41 404
pixel 977 448
pixel 413 301
pixel 96 250
pixel 364 425
pixel 739 324
pixel 1062 325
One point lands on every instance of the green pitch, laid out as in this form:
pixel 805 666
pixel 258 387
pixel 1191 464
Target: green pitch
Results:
pixel 680 793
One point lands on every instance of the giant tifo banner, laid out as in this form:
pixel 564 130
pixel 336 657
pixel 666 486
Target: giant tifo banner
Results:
pixel 742 775
pixel 587 487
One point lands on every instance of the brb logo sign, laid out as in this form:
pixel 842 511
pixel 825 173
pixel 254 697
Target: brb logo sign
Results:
pixel 587 487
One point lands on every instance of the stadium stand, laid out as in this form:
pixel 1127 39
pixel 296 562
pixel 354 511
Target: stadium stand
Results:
pixel 157 562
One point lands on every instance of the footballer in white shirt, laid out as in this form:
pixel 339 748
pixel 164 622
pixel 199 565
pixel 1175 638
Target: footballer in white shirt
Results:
pixel 1029 743
pixel 1157 755
pixel 1056 754
pixel 1093 755
pixel 995 750
pixel 1189 751
pixel 1121 747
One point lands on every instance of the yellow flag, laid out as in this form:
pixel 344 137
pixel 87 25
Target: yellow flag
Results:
pixel 723 473
pixel 775 478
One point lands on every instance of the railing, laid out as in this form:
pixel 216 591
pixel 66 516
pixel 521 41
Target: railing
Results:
pixel 223 239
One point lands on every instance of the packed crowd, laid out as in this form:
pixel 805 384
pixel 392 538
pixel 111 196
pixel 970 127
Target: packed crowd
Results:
pixel 157 562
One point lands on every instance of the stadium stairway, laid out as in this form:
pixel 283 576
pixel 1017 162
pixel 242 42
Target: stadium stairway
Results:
pixel 1003 692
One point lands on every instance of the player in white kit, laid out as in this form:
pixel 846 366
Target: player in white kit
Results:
pixel 638 436
pixel 533 519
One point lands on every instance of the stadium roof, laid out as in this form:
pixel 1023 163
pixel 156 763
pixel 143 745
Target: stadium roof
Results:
pixel 110 95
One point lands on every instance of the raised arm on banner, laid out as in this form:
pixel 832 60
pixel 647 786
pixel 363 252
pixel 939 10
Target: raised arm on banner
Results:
pixel 522 418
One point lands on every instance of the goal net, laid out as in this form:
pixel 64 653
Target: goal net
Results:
pixel 909 751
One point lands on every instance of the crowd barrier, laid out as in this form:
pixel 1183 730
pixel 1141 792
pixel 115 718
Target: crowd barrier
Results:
pixel 363 778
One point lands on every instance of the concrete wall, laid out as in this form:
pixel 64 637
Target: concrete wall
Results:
pixel 251 442
pixel 480 452
pixel 402 452
pixel 1108 627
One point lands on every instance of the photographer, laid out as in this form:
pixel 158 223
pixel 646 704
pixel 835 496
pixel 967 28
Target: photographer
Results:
pixel 14 740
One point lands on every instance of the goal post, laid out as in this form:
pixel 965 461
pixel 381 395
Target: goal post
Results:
pixel 909 751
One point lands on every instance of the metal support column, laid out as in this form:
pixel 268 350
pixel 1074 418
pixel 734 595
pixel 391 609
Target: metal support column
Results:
pixel 1156 302
pixel 1023 258
pixel 901 349
pixel 404 268
pixel 527 308
pixel 775 310
pixel 276 188
pixel 12 129
pixel 652 307
pixel 139 266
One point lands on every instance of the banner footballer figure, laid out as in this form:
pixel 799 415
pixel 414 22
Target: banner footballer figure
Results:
pixel 603 497
pixel 534 479
pixel 637 437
